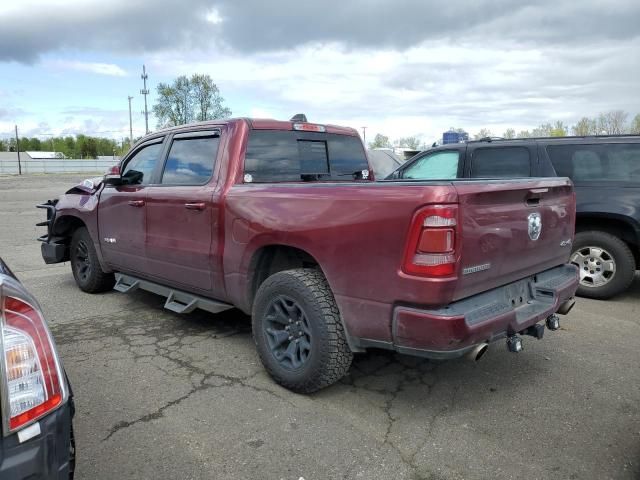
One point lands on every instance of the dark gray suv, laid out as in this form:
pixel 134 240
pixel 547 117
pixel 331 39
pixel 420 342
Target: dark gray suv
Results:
pixel 605 171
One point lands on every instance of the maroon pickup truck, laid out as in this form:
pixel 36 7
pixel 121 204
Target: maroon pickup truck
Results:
pixel 284 221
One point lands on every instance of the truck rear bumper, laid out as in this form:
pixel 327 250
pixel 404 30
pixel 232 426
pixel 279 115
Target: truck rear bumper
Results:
pixel 454 330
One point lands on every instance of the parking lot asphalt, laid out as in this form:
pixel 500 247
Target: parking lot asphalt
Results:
pixel 167 396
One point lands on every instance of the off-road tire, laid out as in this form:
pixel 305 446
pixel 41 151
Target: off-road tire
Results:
pixel 625 263
pixel 94 279
pixel 330 356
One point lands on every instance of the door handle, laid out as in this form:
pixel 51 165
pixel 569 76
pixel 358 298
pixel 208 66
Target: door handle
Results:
pixel 136 203
pixel 194 206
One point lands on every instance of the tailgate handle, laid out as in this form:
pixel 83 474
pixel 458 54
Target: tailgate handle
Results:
pixel 533 199
pixel 194 206
pixel 136 203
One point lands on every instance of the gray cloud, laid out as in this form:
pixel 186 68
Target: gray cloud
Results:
pixel 119 27
pixel 258 26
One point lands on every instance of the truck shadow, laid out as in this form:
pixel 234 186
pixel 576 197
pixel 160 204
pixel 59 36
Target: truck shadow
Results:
pixel 380 371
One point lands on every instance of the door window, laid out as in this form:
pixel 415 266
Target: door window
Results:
pixel 501 162
pixel 139 168
pixel 434 166
pixel 191 161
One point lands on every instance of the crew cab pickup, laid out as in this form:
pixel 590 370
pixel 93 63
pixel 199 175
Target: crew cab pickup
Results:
pixel 282 220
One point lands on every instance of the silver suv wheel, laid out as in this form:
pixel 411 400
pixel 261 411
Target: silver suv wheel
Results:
pixel 597 266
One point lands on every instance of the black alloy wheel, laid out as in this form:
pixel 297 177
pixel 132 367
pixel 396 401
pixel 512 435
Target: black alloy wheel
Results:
pixel 287 332
pixel 82 261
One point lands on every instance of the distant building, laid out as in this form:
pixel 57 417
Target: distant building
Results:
pixel 44 155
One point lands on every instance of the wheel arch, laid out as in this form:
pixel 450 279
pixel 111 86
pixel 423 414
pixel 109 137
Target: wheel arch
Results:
pixel 65 226
pixel 270 259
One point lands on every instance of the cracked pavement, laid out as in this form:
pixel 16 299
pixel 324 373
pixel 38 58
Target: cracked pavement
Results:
pixel 165 396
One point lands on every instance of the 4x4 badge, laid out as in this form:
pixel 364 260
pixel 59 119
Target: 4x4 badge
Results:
pixel 535 226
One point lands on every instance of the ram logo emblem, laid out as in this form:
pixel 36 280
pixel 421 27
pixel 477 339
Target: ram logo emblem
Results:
pixel 535 226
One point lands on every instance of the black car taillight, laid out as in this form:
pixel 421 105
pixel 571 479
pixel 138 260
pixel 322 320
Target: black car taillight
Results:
pixel 33 383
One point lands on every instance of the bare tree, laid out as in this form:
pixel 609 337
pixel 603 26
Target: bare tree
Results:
pixel 524 134
pixel 509 133
pixel 483 133
pixel 543 130
pixel 635 125
pixel 409 142
pixel 585 126
pixel 613 122
pixel 380 141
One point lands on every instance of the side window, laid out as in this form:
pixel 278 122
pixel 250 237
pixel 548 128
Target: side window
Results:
pixel 434 166
pixel 502 162
pixel 139 168
pixel 190 161
pixel 597 163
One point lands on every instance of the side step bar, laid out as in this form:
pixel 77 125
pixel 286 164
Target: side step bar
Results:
pixel 177 300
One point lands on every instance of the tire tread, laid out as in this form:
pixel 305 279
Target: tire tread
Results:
pixel 334 350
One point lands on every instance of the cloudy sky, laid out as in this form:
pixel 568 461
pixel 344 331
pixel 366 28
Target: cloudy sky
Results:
pixel 399 67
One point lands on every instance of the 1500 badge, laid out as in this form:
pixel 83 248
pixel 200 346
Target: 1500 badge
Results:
pixel 566 243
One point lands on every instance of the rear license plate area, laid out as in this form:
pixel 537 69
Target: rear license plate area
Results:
pixel 518 294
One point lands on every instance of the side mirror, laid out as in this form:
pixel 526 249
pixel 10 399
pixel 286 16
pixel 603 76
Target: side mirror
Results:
pixel 113 177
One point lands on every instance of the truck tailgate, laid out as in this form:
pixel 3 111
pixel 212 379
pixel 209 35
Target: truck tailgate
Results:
pixel 499 241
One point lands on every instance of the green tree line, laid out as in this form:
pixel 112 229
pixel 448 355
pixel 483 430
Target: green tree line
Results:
pixel 78 146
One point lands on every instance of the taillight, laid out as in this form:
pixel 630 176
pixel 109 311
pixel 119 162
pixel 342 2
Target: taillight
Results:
pixel 33 383
pixel 431 245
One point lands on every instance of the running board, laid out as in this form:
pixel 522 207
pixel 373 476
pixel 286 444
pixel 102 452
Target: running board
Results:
pixel 177 300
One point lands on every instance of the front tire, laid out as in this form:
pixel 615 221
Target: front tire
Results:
pixel 85 265
pixel 607 265
pixel 298 331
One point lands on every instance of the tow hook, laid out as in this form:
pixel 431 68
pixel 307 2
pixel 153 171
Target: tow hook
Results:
pixel 536 331
pixel 553 322
pixel 514 343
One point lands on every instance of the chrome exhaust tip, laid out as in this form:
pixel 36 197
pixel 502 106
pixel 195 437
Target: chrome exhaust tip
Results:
pixel 477 352
pixel 566 307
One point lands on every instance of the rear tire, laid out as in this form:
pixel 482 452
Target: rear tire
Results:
pixel 85 265
pixel 298 331
pixel 607 265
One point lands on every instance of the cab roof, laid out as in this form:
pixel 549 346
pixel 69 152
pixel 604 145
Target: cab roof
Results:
pixel 256 124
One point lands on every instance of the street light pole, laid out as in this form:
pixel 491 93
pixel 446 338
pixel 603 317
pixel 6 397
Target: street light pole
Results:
pixel 18 150
pixel 130 124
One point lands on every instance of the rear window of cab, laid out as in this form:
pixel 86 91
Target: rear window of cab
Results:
pixel 294 156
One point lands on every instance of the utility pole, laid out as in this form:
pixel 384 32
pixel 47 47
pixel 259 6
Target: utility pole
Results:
pixel 145 92
pixel 18 150
pixel 364 135
pixel 130 123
